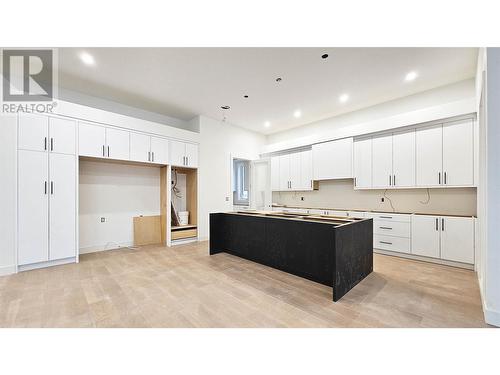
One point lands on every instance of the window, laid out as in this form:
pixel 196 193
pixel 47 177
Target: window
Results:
pixel 241 182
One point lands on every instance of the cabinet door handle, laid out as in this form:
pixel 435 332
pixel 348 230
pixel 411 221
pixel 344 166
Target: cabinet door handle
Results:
pixel 437 224
pixel 445 178
pixel 439 174
pixel 149 155
pixel 108 151
pixel 387 243
pixel 45 144
pixel 355 181
pixel 442 224
pixel 390 180
pixel 103 150
pixel 394 180
pixel 389 228
pixel 152 156
pixel 51 144
pixel 51 187
pixel 45 187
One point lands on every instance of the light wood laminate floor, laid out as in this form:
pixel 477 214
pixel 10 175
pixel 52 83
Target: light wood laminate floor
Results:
pixel 184 287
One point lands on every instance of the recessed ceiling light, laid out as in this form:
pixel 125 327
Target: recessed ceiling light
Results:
pixel 343 98
pixel 411 76
pixel 87 58
pixel 324 56
pixel 297 114
pixel 267 124
pixel 225 107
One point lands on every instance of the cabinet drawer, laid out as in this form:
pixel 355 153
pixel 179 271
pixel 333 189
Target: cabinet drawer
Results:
pixel 391 228
pixel 389 216
pixel 398 244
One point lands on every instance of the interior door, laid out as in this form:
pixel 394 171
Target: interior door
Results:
pixel 284 172
pixel 363 163
pixel 457 239
pixel 458 153
pixel 403 159
pixel 118 144
pixel 62 133
pixel 62 218
pixel 91 140
pixel 260 185
pixel 382 161
pixel 33 226
pixel 140 147
pixel 33 132
pixel 192 155
pixel 159 150
pixel 425 235
pixel 429 155
pixel 177 153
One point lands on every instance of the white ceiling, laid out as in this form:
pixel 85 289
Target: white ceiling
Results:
pixel 185 82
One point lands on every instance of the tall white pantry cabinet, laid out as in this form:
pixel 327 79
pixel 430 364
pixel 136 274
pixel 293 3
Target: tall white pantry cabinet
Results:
pixel 47 190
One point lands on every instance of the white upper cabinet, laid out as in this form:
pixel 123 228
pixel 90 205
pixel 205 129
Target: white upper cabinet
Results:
pixel 403 159
pixel 306 170
pixel 429 156
pixel 140 147
pixel 159 150
pixel 284 173
pixel 191 155
pixel 275 173
pixel 62 133
pixel 33 132
pixel 117 144
pixel 382 161
pixel 296 182
pixel 333 160
pixel 91 140
pixel 183 154
pixel 458 153
pixel 457 239
pixel 363 163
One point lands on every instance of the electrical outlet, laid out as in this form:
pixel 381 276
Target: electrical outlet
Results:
pixel 301 198
pixel 227 199
pixel 382 199
pixel 103 219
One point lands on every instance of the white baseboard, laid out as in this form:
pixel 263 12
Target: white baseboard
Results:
pixel 7 270
pixel 50 263
pixel 106 247
pixel 425 259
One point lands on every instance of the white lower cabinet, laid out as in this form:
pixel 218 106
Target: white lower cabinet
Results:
pixel 444 237
pixel 46 207
pixel 391 232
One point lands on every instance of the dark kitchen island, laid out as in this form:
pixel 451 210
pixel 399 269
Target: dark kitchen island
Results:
pixel 333 251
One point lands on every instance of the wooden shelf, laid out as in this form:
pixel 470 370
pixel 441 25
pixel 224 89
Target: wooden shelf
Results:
pixel 181 227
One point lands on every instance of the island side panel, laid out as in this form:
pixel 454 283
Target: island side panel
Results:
pixel 353 256
pixel 218 233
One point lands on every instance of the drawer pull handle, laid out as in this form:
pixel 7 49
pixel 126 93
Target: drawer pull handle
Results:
pixel 386 217
pixel 387 243
pixel 385 228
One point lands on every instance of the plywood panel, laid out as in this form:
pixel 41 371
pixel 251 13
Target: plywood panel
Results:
pixel 147 230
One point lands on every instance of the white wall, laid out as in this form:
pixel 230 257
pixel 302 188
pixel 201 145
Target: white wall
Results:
pixel 340 194
pixel 117 192
pixel 8 151
pixel 447 101
pixel 218 142
pixel 491 261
